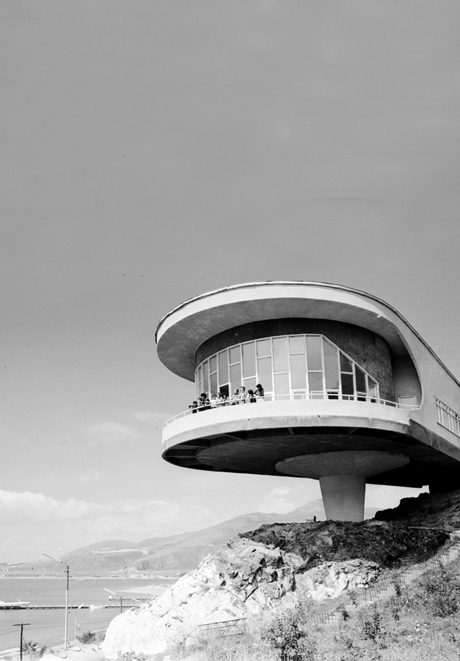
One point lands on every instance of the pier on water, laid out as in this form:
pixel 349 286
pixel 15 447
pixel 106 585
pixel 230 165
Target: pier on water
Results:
pixel 20 606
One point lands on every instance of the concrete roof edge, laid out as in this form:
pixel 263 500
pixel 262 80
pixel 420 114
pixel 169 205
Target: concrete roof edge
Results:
pixel 326 285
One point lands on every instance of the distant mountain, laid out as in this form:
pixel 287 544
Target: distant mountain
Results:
pixel 110 544
pixel 181 552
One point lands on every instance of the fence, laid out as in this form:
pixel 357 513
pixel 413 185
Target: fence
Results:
pixel 224 628
pixel 387 586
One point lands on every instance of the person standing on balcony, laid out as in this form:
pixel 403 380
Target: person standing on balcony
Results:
pixel 251 397
pixel 203 402
pixel 259 393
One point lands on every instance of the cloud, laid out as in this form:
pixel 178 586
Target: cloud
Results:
pixel 111 432
pixel 27 506
pixel 279 499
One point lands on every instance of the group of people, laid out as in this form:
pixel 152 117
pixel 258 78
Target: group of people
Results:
pixel 240 396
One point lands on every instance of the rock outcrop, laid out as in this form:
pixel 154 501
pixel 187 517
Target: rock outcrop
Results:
pixel 243 580
pixel 268 570
pixel 386 543
pixel 440 510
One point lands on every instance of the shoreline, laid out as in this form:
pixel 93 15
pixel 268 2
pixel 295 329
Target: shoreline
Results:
pixel 153 590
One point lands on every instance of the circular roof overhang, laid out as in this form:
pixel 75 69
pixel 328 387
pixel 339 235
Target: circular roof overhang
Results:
pixel 183 330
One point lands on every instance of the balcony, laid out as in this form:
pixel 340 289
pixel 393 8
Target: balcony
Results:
pixel 287 412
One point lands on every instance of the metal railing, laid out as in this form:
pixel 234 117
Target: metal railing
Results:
pixel 224 628
pixel 293 396
pixel 387 586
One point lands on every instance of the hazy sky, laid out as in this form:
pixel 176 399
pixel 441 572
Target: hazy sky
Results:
pixel 152 151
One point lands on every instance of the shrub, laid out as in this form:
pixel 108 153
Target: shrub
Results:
pixel 439 591
pixel 288 634
pixel 87 637
pixel 33 649
pixel 371 624
pixel 223 648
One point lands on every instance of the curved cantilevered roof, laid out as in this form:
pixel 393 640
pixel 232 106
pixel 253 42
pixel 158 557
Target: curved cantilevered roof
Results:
pixel 183 330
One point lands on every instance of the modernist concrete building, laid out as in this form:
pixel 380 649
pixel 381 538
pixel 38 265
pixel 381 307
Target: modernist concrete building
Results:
pixel 353 394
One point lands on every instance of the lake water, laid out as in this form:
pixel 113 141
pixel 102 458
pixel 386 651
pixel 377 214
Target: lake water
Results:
pixel 47 626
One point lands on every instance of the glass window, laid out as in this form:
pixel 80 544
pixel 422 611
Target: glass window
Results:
pixel 331 366
pixel 439 413
pixel 315 381
pixel 235 355
pixel 296 344
pixel 235 376
pixel 281 384
pixel 307 363
pixel 280 354
pixel 264 348
pixel 249 359
pixel 223 367
pixel 372 387
pixel 373 391
pixel 360 380
pixel 213 383
pixel 250 384
pixel 345 364
pixel 443 417
pixel 347 384
pixel 314 352
pixel 298 372
pixel 265 374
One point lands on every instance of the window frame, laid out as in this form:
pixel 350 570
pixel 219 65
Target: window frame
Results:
pixel 203 372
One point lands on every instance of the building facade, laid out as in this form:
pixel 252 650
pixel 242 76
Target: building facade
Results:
pixel 352 394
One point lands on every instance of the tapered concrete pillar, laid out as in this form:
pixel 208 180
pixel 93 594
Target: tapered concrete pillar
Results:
pixel 343 497
pixel 342 476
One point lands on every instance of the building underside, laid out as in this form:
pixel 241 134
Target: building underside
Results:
pixel 259 451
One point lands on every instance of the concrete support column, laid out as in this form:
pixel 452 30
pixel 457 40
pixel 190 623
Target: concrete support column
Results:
pixel 343 497
pixel 342 476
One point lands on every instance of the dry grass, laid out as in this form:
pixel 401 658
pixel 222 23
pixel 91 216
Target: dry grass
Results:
pixel 420 624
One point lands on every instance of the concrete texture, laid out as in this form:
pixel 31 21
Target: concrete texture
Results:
pixel 253 438
pixel 406 380
pixel 364 463
pixel 343 497
pixel 181 332
pixel 342 477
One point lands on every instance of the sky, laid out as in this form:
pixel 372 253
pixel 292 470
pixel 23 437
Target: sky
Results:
pixel 153 151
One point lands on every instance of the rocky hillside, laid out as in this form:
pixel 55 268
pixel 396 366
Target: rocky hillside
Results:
pixel 434 511
pixel 267 570
pixel 386 543
pixel 244 580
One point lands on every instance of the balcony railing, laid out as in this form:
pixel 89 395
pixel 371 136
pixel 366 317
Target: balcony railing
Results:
pixel 306 396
